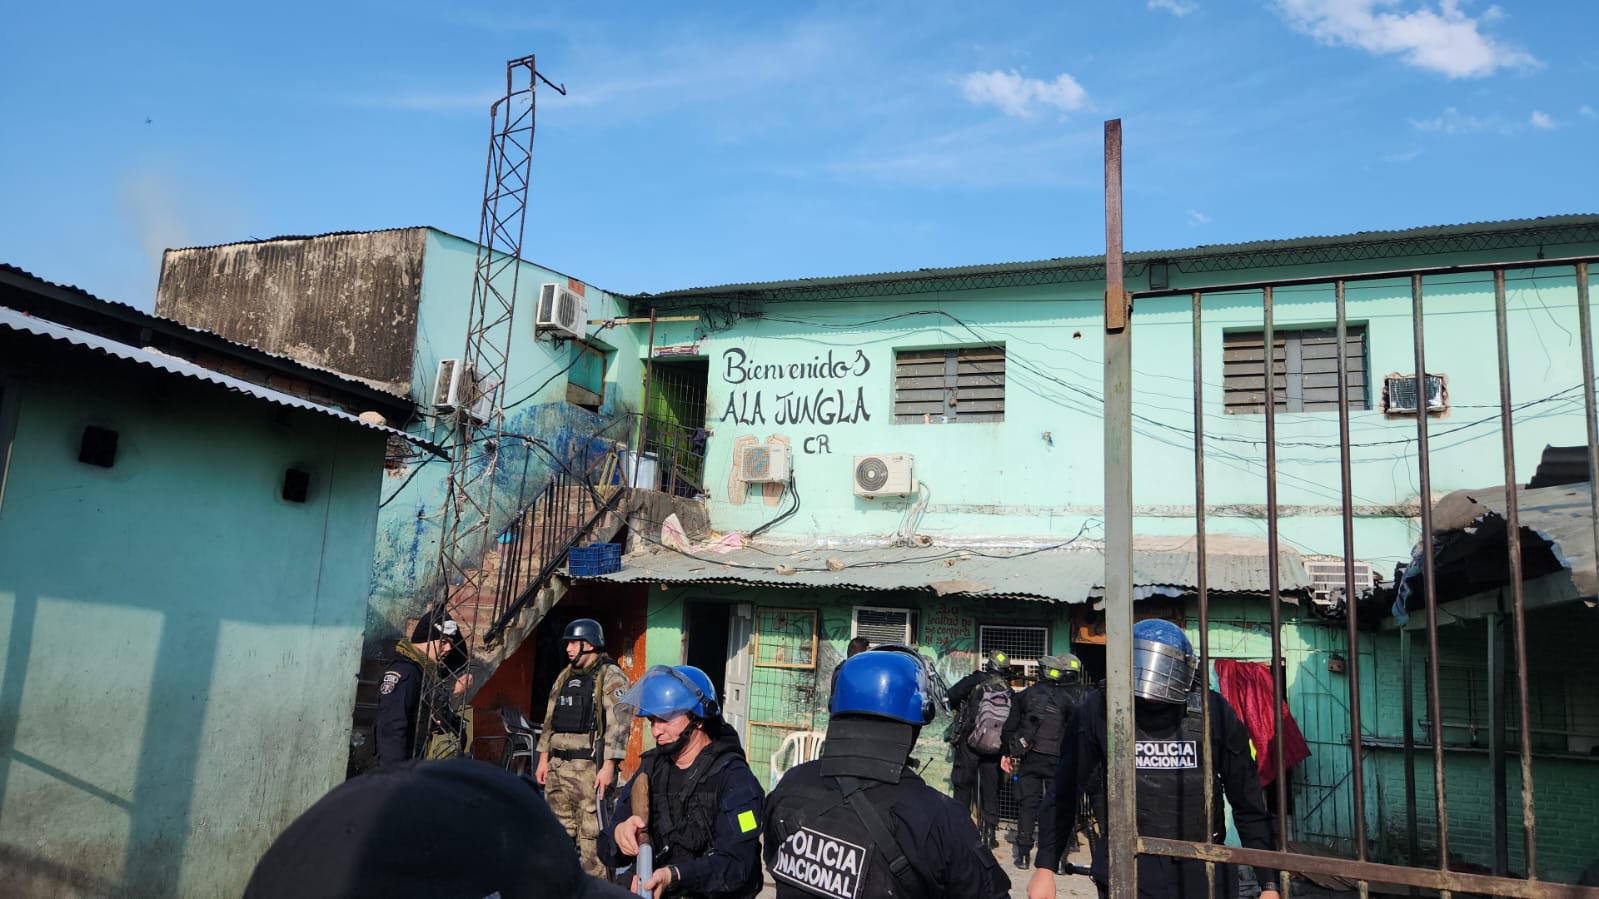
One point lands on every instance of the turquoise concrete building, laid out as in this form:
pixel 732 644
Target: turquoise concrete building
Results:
pixel 390 308
pixel 184 562
pixel 920 454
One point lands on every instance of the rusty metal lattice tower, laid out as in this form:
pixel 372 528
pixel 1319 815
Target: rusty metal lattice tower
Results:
pixel 476 418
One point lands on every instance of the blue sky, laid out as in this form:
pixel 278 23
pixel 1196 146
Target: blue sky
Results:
pixel 714 143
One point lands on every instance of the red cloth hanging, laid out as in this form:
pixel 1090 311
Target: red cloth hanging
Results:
pixel 1247 686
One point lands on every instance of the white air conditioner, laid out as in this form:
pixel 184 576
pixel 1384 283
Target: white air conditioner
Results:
pixel 766 463
pixel 883 625
pixel 562 310
pixel 1400 393
pixel 484 400
pixel 887 474
pixel 1327 575
pixel 453 384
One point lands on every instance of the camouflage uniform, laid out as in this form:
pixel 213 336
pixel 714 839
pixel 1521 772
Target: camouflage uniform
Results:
pixel 569 787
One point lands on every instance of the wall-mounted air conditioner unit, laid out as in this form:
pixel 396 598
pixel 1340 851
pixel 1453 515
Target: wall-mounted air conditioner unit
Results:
pixel 453 384
pixel 561 310
pixel 766 463
pixel 485 398
pixel 1327 575
pixel 884 474
pixel 1399 394
pixel 882 625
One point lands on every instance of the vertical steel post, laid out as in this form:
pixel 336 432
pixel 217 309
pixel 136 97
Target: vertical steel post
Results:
pixel 1201 586
pixel 644 412
pixel 1351 630
pixel 1407 708
pixel 1585 330
pixel 1499 835
pixel 1429 571
pixel 1122 828
pixel 1518 616
pixel 1274 576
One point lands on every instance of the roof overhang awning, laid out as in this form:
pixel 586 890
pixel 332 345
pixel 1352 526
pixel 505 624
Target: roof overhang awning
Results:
pixel 1471 561
pixel 1046 573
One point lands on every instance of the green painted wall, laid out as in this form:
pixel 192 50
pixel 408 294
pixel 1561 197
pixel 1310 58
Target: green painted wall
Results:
pixel 1564 689
pixel 797 697
pixel 821 374
pixel 177 642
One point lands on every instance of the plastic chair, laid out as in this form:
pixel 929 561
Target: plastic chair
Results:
pixel 522 739
pixel 798 747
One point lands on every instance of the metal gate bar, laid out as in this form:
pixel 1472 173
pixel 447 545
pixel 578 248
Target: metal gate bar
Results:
pixel 1435 707
pixel 1361 869
pixel 1274 575
pixel 1357 767
pixel 1442 880
pixel 1206 761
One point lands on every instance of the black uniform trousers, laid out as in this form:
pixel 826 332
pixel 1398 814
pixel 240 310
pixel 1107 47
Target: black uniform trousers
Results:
pixel 1032 778
pixel 979 774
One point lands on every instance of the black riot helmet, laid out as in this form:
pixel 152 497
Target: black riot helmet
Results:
pixel 586 629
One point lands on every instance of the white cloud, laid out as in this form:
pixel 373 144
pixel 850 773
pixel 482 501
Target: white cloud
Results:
pixel 1443 40
pixel 1453 121
pixel 1021 97
pixel 1587 112
pixel 1542 121
pixel 1197 218
pixel 1178 8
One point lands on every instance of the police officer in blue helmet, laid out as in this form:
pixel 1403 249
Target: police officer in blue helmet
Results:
pixel 1168 713
pixel 859 821
pixel 704 806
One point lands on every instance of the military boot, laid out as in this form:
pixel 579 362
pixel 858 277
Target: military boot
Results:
pixel 990 838
pixel 1022 856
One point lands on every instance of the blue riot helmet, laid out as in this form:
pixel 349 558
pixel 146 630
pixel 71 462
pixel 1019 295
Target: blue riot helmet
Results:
pixel 890 681
pixel 665 691
pixel 1163 661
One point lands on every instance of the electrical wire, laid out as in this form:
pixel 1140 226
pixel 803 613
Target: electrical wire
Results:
pixel 794 491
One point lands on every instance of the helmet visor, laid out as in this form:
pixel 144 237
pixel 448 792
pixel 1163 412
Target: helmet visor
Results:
pixel 934 687
pixel 663 692
pixel 1161 672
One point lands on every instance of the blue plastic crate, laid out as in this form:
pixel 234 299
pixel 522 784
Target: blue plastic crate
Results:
pixel 594 559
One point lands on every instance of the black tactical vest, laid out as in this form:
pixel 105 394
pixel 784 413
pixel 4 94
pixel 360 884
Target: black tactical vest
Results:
pixel 683 821
pixel 824 847
pixel 1171 786
pixel 1044 721
pixel 574 707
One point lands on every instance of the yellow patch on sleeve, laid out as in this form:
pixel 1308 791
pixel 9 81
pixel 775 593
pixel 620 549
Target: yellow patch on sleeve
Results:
pixel 746 821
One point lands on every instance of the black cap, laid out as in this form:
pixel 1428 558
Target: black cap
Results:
pixel 451 829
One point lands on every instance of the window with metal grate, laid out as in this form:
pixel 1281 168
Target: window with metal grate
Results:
pixel 1304 370
pixel 943 386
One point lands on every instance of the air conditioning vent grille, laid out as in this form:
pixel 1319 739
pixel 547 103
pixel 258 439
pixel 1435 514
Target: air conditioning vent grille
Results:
pixel 883 474
pixel 871 473
pixel 767 463
pixel 1327 575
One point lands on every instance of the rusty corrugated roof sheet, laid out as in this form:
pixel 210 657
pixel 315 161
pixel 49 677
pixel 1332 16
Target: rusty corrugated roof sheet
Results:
pixel 17 321
pixel 1066 573
pixel 21 277
pixel 1561 515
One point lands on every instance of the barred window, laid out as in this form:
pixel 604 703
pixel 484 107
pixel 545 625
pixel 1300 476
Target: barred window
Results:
pixel 949 385
pixel 1304 370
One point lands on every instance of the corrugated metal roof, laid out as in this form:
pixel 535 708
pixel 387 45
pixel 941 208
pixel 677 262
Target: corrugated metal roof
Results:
pixel 126 310
pixel 1054 573
pixel 17 321
pixel 1562 515
pixel 1174 255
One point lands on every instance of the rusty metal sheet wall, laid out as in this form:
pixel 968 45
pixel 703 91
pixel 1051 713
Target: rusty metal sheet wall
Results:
pixel 343 302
